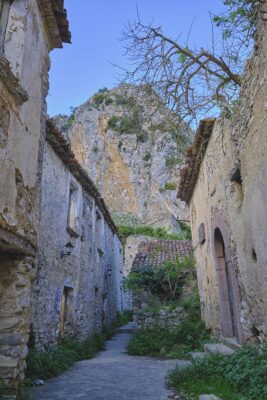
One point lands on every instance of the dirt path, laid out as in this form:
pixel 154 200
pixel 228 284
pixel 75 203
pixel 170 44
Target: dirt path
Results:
pixel 112 375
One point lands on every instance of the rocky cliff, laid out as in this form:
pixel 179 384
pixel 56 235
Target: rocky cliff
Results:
pixel 131 147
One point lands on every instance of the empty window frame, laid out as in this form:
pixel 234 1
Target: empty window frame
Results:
pixel 73 213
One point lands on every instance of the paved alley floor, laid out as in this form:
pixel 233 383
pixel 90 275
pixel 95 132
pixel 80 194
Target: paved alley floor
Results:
pixel 112 375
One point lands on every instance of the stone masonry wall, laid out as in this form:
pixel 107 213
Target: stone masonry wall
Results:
pixel 24 124
pixel 90 274
pixel 240 205
pixel 23 88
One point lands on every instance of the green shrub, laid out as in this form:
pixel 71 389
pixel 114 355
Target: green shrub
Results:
pixel 173 161
pixel 189 335
pixel 123 318
pixel 125 101
pixel 186 230
pixel 165 282
pixel 147 157
pixel 170 186
pixel 112 122
pixel 102 97
pixel 46 364
pixel 244 373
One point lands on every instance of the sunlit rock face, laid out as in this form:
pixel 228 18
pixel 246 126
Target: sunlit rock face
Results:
pixel 131 147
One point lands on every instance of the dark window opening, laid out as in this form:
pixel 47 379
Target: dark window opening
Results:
pixel 66 309
pixel 236 178
pixel 236 175
pixel 254 254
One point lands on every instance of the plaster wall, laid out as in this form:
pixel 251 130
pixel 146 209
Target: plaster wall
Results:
pixel 27 51
pixel 241 206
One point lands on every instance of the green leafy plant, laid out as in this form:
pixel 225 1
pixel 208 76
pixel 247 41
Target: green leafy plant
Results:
pixel 173 161
pixel 102 97
pixel 126 101
pixel 147 157
pixel 170 186
pixel 189 335
pixel 157 233
pixel 241 376
pixel 165 281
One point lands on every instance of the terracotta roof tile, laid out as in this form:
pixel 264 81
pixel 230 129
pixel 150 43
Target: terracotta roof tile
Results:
pixel 195 155
pixel 156 252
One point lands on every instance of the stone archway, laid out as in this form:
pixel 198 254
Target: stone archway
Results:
pixel 228 290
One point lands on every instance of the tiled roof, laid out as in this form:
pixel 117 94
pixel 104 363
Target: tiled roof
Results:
pixel 156 252
pixel 56 20
pixel 195 155
pixel 63 149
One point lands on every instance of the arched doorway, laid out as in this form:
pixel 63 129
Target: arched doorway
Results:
pixel 228 292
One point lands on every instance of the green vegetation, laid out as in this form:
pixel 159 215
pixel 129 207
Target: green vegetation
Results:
pixel 164 282
pixel 170 186
pixel 241 376
pixel 157 341
pixel 147 157
pixel 128 124
pixel 173 161
pixel 46 364
pixel 102 97
pixel 126 219
pixel 126 101
pixel 161 288
pixel 157 233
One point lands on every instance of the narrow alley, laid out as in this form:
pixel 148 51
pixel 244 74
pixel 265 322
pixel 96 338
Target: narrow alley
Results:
pixel 113 374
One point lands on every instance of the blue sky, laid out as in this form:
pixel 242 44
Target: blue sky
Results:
pixel 80 69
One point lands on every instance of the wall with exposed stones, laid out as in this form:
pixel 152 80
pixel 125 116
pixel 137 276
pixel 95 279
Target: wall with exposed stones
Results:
pixel 74 294
pixel 24 65
pixel 22 122
pixel 163 318
pixel 237 207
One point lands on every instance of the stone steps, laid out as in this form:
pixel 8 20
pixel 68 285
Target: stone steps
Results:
pixel 218 348
pixel 231 342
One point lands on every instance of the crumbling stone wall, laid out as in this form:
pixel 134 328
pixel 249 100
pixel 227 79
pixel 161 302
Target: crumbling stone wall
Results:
pixel 91 273
pixel 22 122
pixel 24 66
pixel 240 204
pixel 17 275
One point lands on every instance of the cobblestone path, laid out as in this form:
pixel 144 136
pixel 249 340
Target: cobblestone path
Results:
pixel 112 375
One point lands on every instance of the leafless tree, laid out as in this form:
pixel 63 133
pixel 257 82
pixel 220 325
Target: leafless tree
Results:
pixel 191 81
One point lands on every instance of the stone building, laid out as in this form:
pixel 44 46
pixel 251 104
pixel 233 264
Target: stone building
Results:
pixel 29 29
pixel 224 182
pixel 80 259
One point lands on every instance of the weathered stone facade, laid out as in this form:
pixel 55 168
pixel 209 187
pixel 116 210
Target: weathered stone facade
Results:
pixel 225 184
pixel 78 293
pixel 29 30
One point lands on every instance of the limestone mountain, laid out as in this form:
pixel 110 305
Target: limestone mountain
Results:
pixel 132 147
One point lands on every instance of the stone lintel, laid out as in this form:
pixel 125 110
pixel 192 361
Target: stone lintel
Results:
pixel 12 83
pixel 13 244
